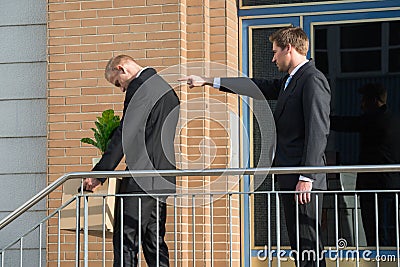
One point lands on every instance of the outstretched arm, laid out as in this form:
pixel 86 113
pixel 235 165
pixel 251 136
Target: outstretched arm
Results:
pixel 196 81
pixel 256 88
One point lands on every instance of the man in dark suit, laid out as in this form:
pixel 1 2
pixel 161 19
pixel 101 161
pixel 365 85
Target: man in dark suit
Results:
pixel 379 131
pixel 302 126
pixel 146 138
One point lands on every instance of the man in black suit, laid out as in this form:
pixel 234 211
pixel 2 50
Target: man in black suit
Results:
pixel 379 131
pixel 302 125
pixel 146 138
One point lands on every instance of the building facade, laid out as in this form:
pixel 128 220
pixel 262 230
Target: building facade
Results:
pixel 169 36
pixel 23 106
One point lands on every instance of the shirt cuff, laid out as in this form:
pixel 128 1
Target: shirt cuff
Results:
pixel 305 179
pixel 217 83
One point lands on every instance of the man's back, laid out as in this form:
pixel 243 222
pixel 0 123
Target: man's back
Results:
pixel 379 144
pixel 149 131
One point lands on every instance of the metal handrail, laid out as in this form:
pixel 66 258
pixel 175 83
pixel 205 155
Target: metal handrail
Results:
pixel 206 172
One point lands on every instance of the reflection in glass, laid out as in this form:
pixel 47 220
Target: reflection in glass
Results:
pixel 359 61
pixel 360 35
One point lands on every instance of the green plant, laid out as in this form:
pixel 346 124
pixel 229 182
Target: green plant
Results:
pixel 106 124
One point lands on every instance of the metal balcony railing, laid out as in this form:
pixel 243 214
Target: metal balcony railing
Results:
pixel 238 252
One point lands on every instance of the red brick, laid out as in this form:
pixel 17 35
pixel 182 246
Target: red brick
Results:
pixel 80 14
pixel 114 12
pixel 96 5
pixel 63 6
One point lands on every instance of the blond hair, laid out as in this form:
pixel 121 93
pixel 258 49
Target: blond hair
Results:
pixel 295 36
pixel 114 62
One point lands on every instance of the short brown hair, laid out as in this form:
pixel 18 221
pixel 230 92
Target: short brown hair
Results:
pixel 295 36
pixel 115 61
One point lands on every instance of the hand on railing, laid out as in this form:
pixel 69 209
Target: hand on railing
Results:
pixel 91 184
pixel 84 190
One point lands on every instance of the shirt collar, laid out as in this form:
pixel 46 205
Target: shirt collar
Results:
pixel 298 67
pixel 140 71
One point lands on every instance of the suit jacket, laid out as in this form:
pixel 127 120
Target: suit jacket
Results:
pixel 379 144
pixel 301 118
pixel 145 135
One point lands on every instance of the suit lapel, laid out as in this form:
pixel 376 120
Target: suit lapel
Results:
pixel 285 94
pixel 135 85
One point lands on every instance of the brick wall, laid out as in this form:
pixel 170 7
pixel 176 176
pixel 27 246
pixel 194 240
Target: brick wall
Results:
pixel 82 36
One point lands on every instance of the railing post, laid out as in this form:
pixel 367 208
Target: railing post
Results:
pixel 194 230
pixel 175 235
pixel 77 230
pixel 356 227
pixel 298 250
pixel 122 230
pixel 58 239
pixel 85 232
pixel 397 229
pixel 337 229
pixel 140 232
pixel 103 228
pixel 21 254
pixel 40 244
pixel 278 230
pixel 212 231
pixel 377 227
pixel 230 229
pixel 269 229
pixel 317 226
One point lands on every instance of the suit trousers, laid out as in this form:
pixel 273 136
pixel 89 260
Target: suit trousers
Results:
pixel 149 222
pixel 309 241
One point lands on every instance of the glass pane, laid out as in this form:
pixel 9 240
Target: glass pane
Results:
pixel 361 61
pixel 394 33
pixel 321 61
pixel 262 54
pixel 320 39
pixel 394 60
pixel 262 67
pixel 360 35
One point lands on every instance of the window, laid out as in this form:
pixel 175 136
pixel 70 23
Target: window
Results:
pixel 351 55
pixel 372 47
pixel 394 46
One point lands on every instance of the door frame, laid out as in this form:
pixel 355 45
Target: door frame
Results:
pixel 305 16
